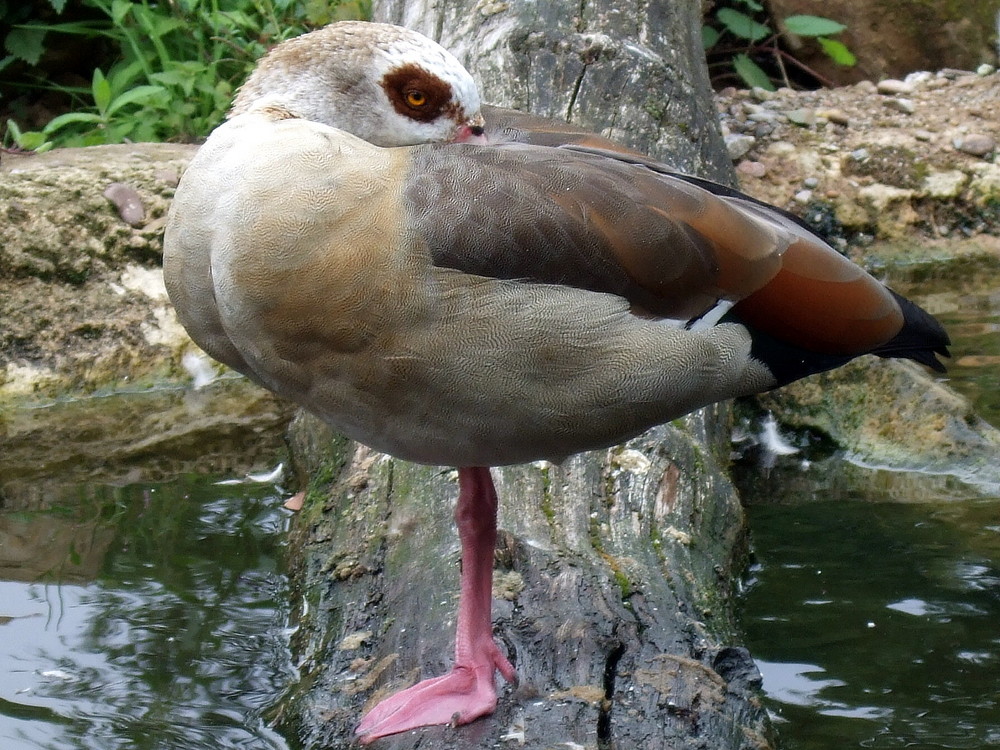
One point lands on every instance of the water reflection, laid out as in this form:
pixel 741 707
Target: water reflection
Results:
pixel 137 613
pixel 905 648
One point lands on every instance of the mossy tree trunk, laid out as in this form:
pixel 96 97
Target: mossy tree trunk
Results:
pixel 615 571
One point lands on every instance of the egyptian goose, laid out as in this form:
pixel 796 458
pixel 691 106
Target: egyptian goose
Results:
pixel 529 293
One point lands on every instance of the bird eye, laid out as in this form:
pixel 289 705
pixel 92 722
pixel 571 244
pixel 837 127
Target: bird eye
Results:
pixel 416 98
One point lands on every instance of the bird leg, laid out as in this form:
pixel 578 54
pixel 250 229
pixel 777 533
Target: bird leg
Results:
pixel 468 691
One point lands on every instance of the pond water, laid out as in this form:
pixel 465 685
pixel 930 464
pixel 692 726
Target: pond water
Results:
pixel 876 622
pixel 141 605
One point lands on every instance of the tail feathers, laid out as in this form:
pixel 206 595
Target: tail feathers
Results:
pixel 921 339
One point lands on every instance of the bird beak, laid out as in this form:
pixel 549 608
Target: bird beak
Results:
pixel 472 131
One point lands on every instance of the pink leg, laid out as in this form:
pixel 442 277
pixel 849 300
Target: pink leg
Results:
pixel 467 692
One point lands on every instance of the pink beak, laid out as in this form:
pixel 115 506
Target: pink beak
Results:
pixel 472 132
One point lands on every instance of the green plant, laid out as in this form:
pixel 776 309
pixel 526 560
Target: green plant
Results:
pixel 735 38
pixel 174 68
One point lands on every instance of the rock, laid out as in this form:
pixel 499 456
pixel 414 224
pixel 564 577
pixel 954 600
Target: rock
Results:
pixel 804 117
pixel 880 196
pixel 893 87
pixel 898 103
pixel 739 145
pixel 751 169
pixel 985 70
pixel 945 185
pixel 977 144
pixel 836 116
pixel 128 202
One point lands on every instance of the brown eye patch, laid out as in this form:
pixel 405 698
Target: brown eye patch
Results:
pixel 415 93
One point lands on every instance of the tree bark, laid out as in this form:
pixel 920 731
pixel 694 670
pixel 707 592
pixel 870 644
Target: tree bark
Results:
pixel 616 570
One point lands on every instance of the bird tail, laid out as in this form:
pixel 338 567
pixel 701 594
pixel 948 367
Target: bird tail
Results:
pixel 922 338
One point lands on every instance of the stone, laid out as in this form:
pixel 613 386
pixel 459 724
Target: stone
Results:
pixel 893 87
pixel 738 145
pixel 976 144
pixel 836 116
pixel 803 117
pixel 751 169
pixel 900 104
pixel 945 185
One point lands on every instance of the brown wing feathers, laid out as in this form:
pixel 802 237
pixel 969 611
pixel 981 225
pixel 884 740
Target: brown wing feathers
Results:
pixel 614 221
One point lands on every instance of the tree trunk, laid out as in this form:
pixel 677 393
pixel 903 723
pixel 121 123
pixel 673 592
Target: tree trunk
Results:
pixel 616 570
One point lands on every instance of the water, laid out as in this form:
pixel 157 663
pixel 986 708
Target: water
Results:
pixel 142 614
pixel 876 623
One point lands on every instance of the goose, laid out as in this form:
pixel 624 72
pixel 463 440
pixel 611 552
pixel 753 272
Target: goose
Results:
pixel 458 284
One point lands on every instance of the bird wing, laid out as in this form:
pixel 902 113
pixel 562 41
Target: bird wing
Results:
pixel 672 245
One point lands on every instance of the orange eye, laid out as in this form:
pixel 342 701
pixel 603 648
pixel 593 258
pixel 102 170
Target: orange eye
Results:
pixel 416 98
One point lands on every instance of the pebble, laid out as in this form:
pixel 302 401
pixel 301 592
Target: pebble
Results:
pixel 977 144
pixel 803 196
pixel 804 117
pixel 894 87
pixel 751 168
pixel 985 70
pixel 836 116
pixel 923 135
pixel 738 145
pixel 765 116
pixel 128 202
pixel 900 104
pixel 763 129
pixel 810 182
pixel 918 77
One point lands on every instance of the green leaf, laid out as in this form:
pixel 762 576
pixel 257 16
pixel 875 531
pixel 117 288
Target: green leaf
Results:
pixel 709 37
pixel 742 25
pixel 5 62
pixel 101 90
pixel 58 123
pixel 58 5
pixel 751 73
pixel 26 44
pixel 138 95
pixel 753 5
pixel 837 51
pixel 120 9
pixel 14 130
pixel 812 26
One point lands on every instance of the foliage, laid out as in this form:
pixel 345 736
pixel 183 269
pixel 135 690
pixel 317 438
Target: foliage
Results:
pixel 172 67
pixel 750 38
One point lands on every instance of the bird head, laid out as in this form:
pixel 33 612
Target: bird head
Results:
pixel 388 85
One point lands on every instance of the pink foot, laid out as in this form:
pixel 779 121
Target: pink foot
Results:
pixel 467 692
pixel 459 697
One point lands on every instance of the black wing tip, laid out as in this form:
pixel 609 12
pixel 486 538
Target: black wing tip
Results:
pixel 922 338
